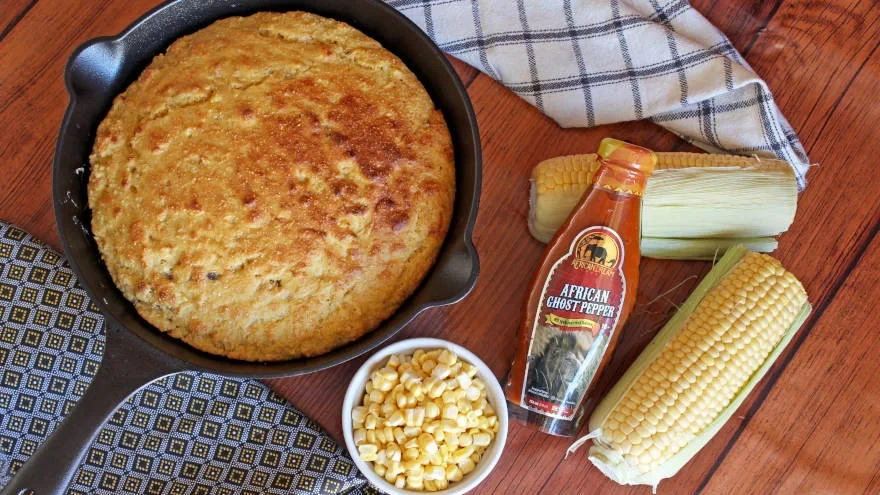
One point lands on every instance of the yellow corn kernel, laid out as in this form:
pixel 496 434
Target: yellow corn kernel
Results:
pixel 393 362
pixel 446 357
pixel 698 369
pixel 414 482
pixel 441 371
pixel 430 427
pixel 464 381
pixel 376 396
pixel 389 476
pixel 409 416
pixel 395 468
pixel 450 411
pixel 388 377
pixel 472 393
pixel 413 469
pixel 470 369
pixel 482 439
pixel 466 465
pixel 371 421
pixel 427 365
pixel 435 473
pixel 359 435
pixel 388 407
pixel 462 453
pixel 432 410
pixel 427 443
pixel 450 425
pixel 392 452
pixel 358 414
pixel 410 454
pixel 399 435
pixel 436 459
pixel 453 473
pixel 381 458
pixel 367 452
pixel 395 419
pixel 434 388
pixel 410 378
pixel 453 440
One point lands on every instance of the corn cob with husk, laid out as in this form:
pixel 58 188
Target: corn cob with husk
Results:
pixel 695 206
pixel 698 369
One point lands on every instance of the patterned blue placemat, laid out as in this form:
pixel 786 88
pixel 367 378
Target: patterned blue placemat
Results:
pixel 189 433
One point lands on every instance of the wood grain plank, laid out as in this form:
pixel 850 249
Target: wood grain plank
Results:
pixel 817 57
pixel 11 13
pixel 742 22
pixel 810 52
pixel 33 99
pixel 846 219
pixel 817 430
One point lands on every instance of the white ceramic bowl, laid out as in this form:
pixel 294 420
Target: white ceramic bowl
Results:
pixel 494 394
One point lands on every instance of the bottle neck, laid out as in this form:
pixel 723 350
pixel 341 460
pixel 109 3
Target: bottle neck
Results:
pixel 620 179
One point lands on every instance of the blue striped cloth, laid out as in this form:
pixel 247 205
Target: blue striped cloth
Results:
pixel 591 62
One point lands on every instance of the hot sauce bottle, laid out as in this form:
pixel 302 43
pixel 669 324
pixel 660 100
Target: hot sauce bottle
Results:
pixel 581 295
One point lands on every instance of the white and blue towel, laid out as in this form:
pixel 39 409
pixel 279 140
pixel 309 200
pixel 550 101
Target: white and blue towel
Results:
pixel 591 62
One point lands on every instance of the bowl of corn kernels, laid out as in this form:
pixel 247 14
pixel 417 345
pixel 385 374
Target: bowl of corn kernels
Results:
pixel 424 415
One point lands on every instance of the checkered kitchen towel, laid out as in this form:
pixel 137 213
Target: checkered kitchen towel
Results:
pixel 192 433
pixel 592 62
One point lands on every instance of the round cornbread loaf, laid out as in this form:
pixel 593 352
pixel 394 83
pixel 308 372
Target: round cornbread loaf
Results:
pixel 272 187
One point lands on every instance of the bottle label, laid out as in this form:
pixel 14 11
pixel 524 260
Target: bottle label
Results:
pixel 581 301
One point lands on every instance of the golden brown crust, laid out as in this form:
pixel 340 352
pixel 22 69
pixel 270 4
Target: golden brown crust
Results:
pixel 272 187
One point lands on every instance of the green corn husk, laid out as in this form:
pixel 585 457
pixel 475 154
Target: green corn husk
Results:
pixel 612 462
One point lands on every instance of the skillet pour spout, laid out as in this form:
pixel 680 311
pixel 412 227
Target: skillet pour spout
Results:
pixel 136 353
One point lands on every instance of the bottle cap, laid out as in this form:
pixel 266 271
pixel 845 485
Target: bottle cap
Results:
pixel 628 155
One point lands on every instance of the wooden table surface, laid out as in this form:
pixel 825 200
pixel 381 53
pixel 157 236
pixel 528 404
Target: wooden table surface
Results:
pixel 812 425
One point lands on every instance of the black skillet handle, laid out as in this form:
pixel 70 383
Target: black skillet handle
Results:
pixel 128 364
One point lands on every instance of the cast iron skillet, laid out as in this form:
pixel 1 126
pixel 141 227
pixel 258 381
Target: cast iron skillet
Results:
pixel 136 353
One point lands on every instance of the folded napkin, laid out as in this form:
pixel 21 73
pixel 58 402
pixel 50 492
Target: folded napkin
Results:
pixel 186 433
pixel 591 62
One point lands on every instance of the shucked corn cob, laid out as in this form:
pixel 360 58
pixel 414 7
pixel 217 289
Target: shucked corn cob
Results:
pixel 698 370
pixel 695 204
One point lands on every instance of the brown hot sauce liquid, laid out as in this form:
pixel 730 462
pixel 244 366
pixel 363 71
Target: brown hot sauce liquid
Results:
pixel 580 296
